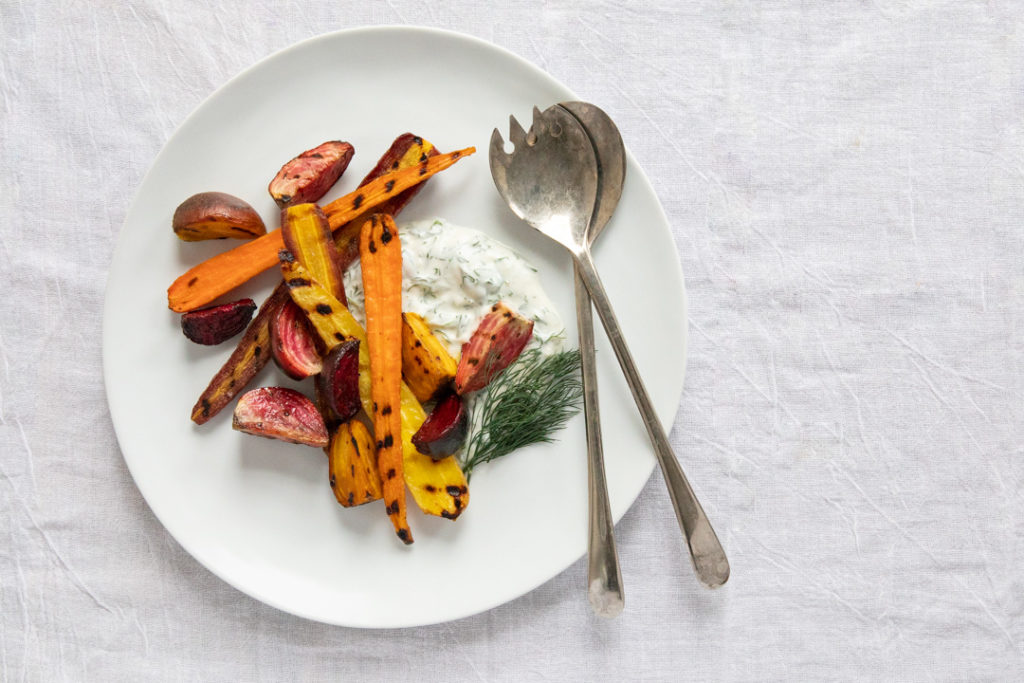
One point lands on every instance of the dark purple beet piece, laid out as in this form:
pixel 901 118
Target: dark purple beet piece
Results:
pixel 215 324
pixel 444 430
pixel 338 381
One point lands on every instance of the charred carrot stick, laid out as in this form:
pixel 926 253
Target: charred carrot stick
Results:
pixel 381 254
pixel 222 273
pixel 305 233
pixel 438 486
pixel 406 151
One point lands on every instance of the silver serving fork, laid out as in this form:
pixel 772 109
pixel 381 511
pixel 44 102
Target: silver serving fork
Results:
pixel 550 181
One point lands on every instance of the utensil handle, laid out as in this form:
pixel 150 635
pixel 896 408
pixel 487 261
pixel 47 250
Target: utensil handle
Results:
pixel 709 561
pixel 604 578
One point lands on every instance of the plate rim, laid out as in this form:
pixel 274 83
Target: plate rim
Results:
pixel 107 351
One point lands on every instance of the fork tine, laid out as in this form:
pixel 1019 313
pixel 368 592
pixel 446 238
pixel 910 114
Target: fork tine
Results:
pixel 497 152
pixel 515 132
pixel 538 122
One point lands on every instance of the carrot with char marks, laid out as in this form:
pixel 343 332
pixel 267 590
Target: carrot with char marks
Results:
pixel 438 486
pixel 381 254
pixel 210 279
pixel 305 233
pixel 406 151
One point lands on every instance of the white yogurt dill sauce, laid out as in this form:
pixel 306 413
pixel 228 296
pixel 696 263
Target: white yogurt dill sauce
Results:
pixel 452 275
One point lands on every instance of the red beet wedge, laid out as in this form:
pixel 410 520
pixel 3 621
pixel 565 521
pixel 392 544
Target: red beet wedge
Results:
pixel 215 324
pixel 338 382
pixel 309 176
pixel 444 430
pixel 498 340
pixel 293 342
pixel 280 413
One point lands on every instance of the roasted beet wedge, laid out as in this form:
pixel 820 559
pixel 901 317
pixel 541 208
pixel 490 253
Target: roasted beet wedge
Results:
pixel 215 324
pixel 293 342
pixel 444 430
pixel 216 216
pixel 338 381
pixel 280 413
pixel 309 176
pixel 497 341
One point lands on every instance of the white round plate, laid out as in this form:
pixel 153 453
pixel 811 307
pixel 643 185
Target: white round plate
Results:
pixel 260 513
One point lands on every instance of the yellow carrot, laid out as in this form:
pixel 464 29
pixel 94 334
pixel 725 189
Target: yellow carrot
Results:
pixel 306 234
pixel 438 486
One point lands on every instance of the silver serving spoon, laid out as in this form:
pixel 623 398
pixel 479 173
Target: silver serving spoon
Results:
pixel 550 181
pixel 604 578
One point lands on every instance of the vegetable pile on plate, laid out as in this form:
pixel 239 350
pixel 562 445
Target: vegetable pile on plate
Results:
pixel 369 386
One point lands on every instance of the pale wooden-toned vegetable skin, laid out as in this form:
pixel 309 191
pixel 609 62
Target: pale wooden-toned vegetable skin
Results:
pixel 306 234
pixel 438 487
pixel 381 254
pixel 218 275
pixel 352 464
pixel 427 367
pixel 280 413
pixel 248 358
pixel 309 176
pixel 497 341
pixel 216 216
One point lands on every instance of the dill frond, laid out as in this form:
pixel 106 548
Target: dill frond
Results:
pixel 524 405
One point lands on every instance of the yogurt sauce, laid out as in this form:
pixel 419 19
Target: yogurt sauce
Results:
pixel 452 275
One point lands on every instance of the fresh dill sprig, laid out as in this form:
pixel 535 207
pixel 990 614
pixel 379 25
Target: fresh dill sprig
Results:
pixel 526 404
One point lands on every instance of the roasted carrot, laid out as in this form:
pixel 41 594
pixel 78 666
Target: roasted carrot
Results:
pixel 406 150
pixel 306 234
pixel 438 486
pixel 210 279
pixel 381 255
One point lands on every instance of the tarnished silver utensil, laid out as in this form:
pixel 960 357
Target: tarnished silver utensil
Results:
pixel 604 578
pixel 550 181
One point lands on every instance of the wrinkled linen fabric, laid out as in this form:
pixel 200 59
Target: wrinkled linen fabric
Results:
pixel 845 185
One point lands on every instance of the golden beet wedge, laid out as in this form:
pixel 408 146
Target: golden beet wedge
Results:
pixel 427 366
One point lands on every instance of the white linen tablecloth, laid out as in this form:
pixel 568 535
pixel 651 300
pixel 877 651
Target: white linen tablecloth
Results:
pixel 845 183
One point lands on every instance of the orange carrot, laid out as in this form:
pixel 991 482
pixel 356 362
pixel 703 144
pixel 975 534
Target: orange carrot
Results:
pixel 407 150
pixel 438 486
pixel 222 273
pixel 381 256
